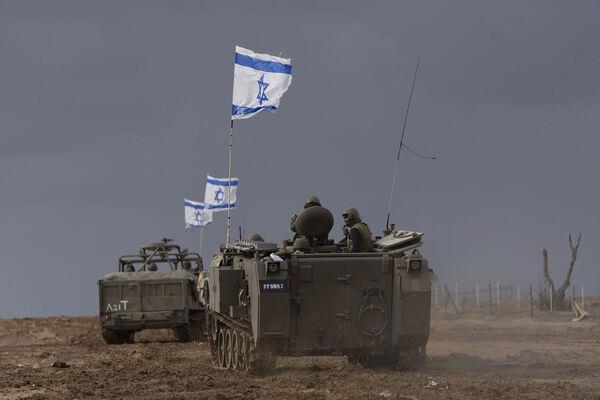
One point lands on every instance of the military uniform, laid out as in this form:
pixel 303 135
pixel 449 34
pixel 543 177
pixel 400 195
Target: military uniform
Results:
pixel 358 234
pixel 359 238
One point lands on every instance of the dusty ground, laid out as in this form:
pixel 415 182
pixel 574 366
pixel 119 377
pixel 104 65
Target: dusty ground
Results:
pixel 471 356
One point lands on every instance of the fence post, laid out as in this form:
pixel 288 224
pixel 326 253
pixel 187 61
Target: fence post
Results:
pixel 446 302
pixel 477 292
pixel 518 296
pixel 582 297
pixel 498 293
pixel 490 296
pixel 531 298
pixel 435 295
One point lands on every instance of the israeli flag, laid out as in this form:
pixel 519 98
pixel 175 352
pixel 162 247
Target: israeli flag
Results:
pixel 259 81
pixel 216 197
pixel 196 214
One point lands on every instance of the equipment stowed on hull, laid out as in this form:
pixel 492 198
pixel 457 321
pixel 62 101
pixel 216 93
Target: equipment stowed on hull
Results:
pixel 314 299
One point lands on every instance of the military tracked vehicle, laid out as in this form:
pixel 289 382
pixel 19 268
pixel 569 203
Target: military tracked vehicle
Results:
pixel 153 289
pixel 309 297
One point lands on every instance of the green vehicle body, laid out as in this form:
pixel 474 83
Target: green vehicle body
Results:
pixel 267 301
pixel 152 299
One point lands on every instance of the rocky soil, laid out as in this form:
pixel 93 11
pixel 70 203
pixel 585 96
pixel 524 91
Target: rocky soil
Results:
pixel 470 356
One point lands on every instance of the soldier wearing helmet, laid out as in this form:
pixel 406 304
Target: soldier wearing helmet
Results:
pixel 357 233
pixel 310 202
pixel 255 237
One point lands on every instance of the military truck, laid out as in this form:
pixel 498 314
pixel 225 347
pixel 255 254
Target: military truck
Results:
pixel 153 289
pixel 309 297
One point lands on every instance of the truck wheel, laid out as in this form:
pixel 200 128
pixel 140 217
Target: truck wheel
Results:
pixel 112 336
pixel 353 359
pixel 188 332
pixel 197 334
pixel 128 336
pixel 197 329
pixel 183 333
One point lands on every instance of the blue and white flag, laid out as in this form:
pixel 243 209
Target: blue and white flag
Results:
pixel 216 197
pixel 259 81
pixel 196 214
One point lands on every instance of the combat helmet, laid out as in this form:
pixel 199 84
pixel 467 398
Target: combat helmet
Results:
pixel 353 215
pixel 312 201
pixel 255 237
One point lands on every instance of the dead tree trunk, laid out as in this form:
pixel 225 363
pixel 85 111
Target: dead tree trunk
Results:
pixel 561 292
pixel 549 294
pixel 548 290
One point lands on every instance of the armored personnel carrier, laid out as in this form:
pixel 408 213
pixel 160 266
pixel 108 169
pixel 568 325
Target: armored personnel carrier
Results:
pixel 153 289
pixel 309 297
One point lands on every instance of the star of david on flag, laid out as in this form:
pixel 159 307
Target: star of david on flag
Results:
pixel 216 197
pixel 259 81
pixel 196 214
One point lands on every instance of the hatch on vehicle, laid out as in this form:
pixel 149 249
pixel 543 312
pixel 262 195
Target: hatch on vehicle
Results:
pixel 398 240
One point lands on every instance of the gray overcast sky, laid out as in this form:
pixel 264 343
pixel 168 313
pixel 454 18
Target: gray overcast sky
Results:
pixel 111 112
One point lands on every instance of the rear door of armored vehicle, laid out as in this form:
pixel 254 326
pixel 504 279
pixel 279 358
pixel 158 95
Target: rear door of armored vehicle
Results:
pixel 341 302
pixel 319 298
pixel 368 290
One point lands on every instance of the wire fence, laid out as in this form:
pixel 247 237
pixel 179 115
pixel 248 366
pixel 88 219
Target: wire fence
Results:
pixel 492 297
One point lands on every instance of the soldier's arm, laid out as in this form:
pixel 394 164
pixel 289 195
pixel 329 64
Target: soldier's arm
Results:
pixel 293 223
pixel 356 238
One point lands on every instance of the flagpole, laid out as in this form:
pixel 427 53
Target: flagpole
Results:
pixel 201 234
pixel 229 186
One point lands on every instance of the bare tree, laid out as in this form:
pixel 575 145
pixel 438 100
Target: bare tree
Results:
pixel 548 294
pixel 544 292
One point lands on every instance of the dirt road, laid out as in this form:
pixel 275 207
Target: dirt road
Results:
pixel 472 356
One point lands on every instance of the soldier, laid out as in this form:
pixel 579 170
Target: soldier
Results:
pixel 357 233
pixel 255 237
pixel 310 202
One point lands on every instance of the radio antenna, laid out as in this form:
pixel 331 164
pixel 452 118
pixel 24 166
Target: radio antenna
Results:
pixel 387 222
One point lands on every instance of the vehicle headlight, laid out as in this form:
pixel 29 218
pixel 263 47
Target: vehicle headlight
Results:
pixel 414 265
